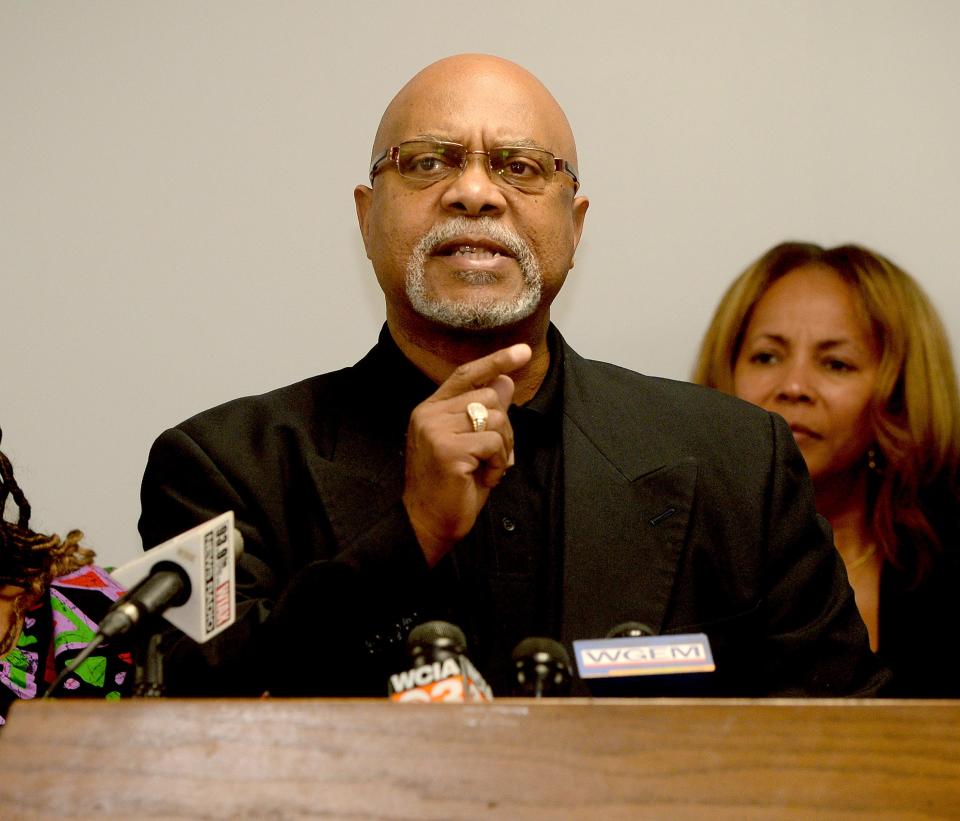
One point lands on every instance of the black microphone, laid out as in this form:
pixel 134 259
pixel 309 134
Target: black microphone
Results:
pixel 630 629
pixel 435 641
pixel 189 579
pixel 441 671
pixel 542 666
pixel 166 585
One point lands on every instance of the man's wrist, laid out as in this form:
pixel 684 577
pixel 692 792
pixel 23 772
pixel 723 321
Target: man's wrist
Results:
pixel 433 547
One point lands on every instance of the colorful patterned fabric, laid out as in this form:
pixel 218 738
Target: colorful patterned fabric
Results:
pixel 54 632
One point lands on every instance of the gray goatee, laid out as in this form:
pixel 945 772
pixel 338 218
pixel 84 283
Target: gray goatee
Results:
pixel 490 313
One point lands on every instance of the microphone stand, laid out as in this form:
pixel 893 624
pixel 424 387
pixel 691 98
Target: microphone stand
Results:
pixel 148 666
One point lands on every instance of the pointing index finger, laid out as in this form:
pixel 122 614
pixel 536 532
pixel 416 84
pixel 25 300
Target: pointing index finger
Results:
pixel 481 372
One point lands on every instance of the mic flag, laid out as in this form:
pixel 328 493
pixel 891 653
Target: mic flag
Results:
pixel 453 680
pixel 441 672
pixel 206 556
pixel 644 656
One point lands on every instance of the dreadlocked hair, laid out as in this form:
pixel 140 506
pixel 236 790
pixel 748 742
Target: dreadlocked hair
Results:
pixel 28 559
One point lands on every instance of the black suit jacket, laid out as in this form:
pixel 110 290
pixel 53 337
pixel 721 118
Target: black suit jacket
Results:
pixel 683 508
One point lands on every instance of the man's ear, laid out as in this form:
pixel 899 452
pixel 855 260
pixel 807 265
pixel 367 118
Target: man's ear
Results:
pixel 363 199
pixel 580 206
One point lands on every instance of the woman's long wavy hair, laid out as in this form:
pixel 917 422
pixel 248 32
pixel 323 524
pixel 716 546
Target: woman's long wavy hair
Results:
pixel 915 411
pixel 28 559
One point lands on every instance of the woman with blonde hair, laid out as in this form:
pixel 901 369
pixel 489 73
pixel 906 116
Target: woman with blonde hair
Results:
pixel 848 349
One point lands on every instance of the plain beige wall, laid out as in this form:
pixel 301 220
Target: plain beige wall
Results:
pixel 177 226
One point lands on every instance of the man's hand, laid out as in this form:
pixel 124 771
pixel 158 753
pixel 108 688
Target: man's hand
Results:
pixel 450 469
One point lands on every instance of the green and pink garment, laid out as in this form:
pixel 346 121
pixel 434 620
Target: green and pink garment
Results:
pixel 54 632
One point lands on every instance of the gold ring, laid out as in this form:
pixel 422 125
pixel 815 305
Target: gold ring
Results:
pixel 478 416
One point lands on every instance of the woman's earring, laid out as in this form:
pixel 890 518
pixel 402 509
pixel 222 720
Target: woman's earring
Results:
pixel 872 460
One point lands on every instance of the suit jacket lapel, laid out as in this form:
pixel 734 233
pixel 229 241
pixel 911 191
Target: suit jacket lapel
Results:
pixel 363 481
pixel 627 498
pixel 360 476
pixel 627 504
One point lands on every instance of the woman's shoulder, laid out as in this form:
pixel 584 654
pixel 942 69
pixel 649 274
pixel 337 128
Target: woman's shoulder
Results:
pixel 918 617
pixel 56 629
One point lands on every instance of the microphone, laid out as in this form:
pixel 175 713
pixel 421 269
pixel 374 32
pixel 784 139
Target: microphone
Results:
pixel 633 661
pixel 162 582
pixel 166 585
pixel 543 668
pixel 630 629
pixel 441 671
pixel 190 580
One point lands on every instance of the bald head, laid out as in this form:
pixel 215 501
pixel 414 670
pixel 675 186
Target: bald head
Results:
pixel 492 98
pixel 473 249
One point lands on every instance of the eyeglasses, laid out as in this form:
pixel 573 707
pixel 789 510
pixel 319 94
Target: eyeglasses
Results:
pixel 529 169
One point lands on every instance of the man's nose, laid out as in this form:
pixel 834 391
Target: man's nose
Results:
pixel 474 192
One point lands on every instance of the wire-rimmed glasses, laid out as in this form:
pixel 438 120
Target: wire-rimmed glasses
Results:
pixel 429 161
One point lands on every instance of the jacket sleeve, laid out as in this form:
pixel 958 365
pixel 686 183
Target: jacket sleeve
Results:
pixel 314 617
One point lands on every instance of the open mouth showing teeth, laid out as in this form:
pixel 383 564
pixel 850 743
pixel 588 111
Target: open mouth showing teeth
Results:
pixel 479 251
pixel 472 251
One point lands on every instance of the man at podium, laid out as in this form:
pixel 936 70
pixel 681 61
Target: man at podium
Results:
pixel 474 468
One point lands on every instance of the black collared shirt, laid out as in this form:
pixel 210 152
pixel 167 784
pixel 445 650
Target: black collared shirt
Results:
pixel 502 583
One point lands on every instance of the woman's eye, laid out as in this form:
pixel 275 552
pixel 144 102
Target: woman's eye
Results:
pixel 763 358
pixel 839 365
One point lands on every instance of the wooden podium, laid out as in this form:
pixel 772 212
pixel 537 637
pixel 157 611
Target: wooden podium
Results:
pixel 511 759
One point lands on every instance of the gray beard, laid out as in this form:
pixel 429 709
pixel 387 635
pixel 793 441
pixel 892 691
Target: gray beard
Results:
pixel 491 313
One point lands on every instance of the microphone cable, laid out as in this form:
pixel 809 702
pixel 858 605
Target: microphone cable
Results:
pixel 71 668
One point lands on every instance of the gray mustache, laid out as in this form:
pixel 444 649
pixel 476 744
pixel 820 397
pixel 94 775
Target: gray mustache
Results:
pixel 482 226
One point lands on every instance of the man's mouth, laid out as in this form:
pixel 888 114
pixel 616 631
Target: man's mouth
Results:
pixel 474 249
pixel 474 253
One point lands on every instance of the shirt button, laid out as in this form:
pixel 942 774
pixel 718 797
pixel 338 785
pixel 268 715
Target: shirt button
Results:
pixel 509 525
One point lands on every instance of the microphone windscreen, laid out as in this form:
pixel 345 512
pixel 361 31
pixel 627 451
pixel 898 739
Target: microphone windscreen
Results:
pixel 630 629
pixel 541 647
pixel 436 641
pixel 542 667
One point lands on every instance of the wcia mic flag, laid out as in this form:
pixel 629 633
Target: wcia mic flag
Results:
pixel 644 656
pixel 450 680
pixel 440 671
